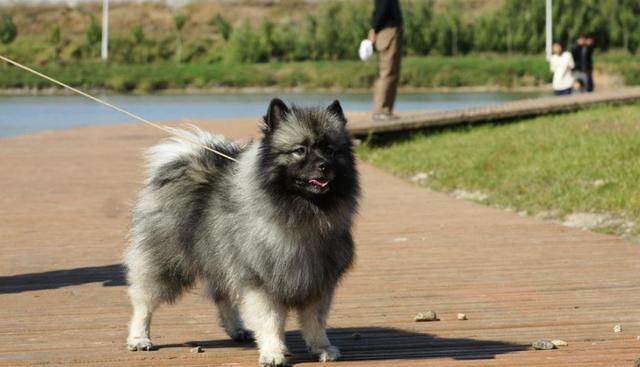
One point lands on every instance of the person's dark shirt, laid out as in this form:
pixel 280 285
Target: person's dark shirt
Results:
pixel 582 58
pixel 576 52
pixel 386 13
pixel 587 58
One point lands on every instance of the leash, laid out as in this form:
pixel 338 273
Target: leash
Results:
pixel 164 128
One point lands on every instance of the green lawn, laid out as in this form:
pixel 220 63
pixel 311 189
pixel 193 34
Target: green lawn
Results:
pixel 582 162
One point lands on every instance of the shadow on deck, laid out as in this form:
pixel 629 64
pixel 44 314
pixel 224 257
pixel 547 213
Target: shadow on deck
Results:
pixel 108 275
pixel 379 344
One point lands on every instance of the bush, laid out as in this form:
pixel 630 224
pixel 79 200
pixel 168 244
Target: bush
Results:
pixel 54 34
pixel 8 30
pixel 93 32
pixel 137 34
pixel 245 45
pixel 223 27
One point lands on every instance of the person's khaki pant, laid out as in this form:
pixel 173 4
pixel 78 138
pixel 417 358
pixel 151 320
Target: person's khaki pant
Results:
pixel 388 45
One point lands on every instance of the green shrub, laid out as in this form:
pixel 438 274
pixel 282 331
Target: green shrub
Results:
pixel 54 33
pixel 137 34
pixel 8 30
pixel 223 27
pixel 245 45
pixel 93 32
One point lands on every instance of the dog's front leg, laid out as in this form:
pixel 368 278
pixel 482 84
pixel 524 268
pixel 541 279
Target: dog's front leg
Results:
pixel 266 318
pixel 313 321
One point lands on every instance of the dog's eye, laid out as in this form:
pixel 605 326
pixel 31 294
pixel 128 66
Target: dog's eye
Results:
pixel 299 151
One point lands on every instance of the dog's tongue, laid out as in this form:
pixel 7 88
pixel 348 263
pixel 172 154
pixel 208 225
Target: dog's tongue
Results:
pixel 319 183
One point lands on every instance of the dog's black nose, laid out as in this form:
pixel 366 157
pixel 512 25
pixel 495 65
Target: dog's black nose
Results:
pixel 323 166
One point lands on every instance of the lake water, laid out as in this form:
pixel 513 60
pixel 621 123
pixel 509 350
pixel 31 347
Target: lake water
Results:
pixel 21 115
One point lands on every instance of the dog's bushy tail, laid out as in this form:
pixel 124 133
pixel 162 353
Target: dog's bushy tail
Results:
pixel 179 160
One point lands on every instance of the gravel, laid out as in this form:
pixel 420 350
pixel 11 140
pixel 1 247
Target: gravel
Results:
pixel 426 316
pixel 617 328
pixel 543 345
pixel 559 343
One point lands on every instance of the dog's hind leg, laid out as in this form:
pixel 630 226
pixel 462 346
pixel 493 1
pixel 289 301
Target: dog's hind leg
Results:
pixel 266 318
pixel 229 316
pixel 313 322
pixel 144 303
pixel 146 292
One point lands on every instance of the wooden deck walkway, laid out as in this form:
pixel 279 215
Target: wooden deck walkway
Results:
pixel 501 112
pixel 65 199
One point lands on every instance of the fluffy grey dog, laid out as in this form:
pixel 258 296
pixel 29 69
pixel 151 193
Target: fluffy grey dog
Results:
pixel 266 234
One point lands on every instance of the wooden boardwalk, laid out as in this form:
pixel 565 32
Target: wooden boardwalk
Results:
pixel 495 113
pixel 65 199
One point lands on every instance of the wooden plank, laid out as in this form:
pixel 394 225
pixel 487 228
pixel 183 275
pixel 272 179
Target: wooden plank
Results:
pixel 501 112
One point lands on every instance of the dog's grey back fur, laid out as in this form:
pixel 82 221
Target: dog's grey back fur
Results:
pixel 203 216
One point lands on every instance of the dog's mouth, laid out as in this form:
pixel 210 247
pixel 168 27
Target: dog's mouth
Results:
pixel 319 182
pixel 316 185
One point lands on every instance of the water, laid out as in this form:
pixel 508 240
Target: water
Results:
pixel 21 115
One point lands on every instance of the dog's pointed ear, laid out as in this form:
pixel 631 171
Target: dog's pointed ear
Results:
pixel 276 113
pixel 336 109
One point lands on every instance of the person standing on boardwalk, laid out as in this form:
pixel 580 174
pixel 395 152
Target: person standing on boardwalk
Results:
pixel 386 35
pixel 582 53
pixel 561 64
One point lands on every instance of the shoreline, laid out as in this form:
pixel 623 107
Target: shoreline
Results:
pixel 56 91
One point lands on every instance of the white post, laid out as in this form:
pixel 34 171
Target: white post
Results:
pixel 105 30
pixel 549 28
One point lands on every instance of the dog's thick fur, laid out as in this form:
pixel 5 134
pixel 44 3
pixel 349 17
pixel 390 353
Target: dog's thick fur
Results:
pixel 266 234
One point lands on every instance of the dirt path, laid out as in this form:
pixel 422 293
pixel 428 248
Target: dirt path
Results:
pixel 65 198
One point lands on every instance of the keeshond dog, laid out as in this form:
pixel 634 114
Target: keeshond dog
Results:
pixel 268 233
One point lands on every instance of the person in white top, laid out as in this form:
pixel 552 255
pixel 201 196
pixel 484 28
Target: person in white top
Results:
pixel 561 63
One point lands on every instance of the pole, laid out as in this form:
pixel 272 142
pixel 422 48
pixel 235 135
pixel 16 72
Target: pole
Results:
pixel 105 30
pixel 549 28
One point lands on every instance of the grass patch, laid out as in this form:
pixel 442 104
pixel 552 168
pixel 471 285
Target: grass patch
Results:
pixel 582 162
pixel 418 72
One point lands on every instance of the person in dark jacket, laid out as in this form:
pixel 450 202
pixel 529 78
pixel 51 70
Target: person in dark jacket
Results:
pixel 582 52
pixel 386 35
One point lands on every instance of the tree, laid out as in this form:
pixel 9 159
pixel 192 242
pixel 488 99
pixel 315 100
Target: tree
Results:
pixel 8 30
pixel 628 21
pixel 93 32
pixel 179 21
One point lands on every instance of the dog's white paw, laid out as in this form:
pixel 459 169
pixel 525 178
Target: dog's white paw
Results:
pixel 139 344
pixel 273 359
pixel 328 354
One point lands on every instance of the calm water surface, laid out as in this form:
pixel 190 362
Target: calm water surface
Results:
pixel 21 115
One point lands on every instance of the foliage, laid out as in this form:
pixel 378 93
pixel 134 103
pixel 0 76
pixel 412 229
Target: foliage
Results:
pixel 137 34
pixel 8 29
pixel 334 30
pixel 54 33
pixel 223 27
pixel 586 161
pixel 179 21
pixel 93 32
